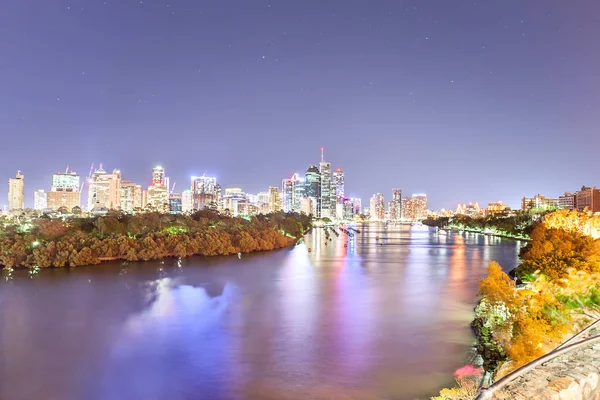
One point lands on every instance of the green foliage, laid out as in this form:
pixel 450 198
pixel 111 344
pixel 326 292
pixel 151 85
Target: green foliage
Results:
pixel 145 236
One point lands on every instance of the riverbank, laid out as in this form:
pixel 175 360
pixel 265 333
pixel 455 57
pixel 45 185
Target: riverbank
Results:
pixel 488 233
pixel 53 243
pixel 515 324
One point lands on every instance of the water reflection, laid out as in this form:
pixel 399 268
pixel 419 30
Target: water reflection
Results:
pixel 358 318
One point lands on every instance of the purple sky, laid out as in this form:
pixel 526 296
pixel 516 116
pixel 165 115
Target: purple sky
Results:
pixel 463 100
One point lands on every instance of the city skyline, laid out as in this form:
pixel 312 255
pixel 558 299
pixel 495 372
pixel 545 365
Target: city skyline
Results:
pixel 463 101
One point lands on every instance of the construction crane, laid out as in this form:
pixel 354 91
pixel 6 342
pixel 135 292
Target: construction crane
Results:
pixel 87 179
pixel 67 169
pixel 173 187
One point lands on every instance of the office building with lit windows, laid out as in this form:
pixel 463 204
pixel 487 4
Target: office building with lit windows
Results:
pixel 16 192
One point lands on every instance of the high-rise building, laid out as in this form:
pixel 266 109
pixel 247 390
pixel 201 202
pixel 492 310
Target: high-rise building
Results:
pixel 312 189
pixel 377 207
pixel 65 182
pixel 420 206
pixel 414 208
pixel 326 194
pixel 187 201
pixel 131 196
pixel 16 192
pixel 588 198
pixel 65 193
pixel 274 199
pixel 338 185
pixel 538 201
pixel 158 176
pixel 232 200
pixel 395 207
pixel 175 203
pixel 40 200
pixel 104 189
pixel 349 209
pixel 566 201
pixel 292 192
pixel 204 192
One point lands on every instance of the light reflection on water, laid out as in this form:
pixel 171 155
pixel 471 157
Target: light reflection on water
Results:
pixel 385 318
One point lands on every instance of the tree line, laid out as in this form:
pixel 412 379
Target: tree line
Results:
pixel 47 242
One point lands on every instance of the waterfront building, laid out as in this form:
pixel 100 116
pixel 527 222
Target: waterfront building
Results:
pixel 274 199
pixel 40 200
pixel 131 196
pixel 538 202
pixel 420 206
pixel 326 194
pixel 377 207
pixel 414 208
pixel 338 185
pixel 497 207
pixel 187 202
pixel 470 210
pixel 312 189
pixel 205 191
pixel 588 198
pixel 357 204
pixel 218 204
pixel 395 206
pixel 104 189
pixel 566 201
pixel 16 192
pixel 348 209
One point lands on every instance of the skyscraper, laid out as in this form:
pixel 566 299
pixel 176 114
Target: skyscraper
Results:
pixel 395 209
pixel 338 185
pixel 65 191
pixel 312 189
pixel 204 191
pixel 158 176
pixel 131 196
pixel 104 189
pixel 292 191
pixel 377 207
pixel 414 208
pixel 325 203
pixel 274 199
pixel 16 192
pixel 40 200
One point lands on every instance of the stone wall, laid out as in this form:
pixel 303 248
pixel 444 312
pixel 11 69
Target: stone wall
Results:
pixel 572 376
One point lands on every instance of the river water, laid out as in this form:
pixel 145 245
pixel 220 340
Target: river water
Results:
pixel 378 319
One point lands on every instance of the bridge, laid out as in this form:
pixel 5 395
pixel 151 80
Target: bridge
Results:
pixel 570 372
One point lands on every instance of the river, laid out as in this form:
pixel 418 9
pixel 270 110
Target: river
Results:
pixel 378 319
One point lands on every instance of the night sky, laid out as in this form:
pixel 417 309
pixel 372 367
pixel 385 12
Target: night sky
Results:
pixel 462 100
